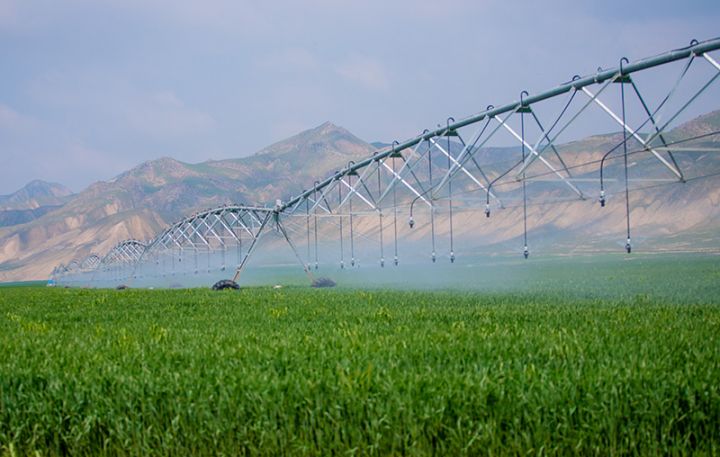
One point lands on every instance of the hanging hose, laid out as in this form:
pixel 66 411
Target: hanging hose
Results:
pixel 395 261
pixel 411 221
pixel 432 205
pixel 526 252
pixel 380 215
pixel 315 224
pixel 450 204
pixel 651 118
pixel 342 260
pixel 352 237
pixel 238 249
pixel 489 186
pixel 222 267
pixel 628 247
pixel 307 223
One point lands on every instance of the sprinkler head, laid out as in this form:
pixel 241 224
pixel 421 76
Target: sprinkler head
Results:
pixel 316 265
pixel 382 263
pixel 526 252
pixel 411 222
pixel 352 262
pixel 395 261
pixel 628 247
pixel 487 210
pixel 602 198
pixel 433 256
pixel 342 265
pixel 452 257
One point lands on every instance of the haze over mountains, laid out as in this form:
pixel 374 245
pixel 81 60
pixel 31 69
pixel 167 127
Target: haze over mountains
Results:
pixel 144 200
pixel 44 224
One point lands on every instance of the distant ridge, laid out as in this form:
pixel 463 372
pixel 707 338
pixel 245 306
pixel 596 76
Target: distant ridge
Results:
pixel 142 201
pixel 35 194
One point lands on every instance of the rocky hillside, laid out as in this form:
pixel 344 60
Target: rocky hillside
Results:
pixel 34 200
pixel 34 195
pixel 142 201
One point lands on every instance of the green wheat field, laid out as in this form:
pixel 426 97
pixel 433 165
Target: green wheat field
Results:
pixel 605 357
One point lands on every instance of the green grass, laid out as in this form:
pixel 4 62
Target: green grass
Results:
pixel 349 372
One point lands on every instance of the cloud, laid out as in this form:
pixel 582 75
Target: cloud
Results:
pixel 140 79
pixel 11 120
pixel 98 163
pixel 164 115
pixel 119 105
pixel 364 71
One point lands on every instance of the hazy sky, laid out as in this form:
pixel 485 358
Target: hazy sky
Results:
pixel 90 88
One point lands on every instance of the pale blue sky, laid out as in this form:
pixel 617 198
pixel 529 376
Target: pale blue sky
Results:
pixel 91 88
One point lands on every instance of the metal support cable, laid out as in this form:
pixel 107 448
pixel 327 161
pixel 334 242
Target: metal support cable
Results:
pixel 315 227
pixel 652 116
pixel 450 202
pixel 526 253
pixel 342 260
pixel 552 145
pixel 490 185
pixel 380 215
pixel 467 153
pixel 432 205
pixel 395 260
pixel 628 247
pixel 546 134
pixel 307 223
pixel 658 132
pixel 352 237
pixel 607 158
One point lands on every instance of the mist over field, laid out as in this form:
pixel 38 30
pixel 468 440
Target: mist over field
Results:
pixel 375 228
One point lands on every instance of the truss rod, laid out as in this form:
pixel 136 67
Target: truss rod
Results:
pixel 600 77
pixel 633 133
pixel 542 159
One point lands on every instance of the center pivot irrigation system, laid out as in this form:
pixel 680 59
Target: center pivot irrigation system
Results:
pixel 500 158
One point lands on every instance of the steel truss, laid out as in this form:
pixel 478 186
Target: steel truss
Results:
pixel 444 171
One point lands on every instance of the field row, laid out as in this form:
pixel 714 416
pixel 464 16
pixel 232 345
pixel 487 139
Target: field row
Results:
pixel 312 372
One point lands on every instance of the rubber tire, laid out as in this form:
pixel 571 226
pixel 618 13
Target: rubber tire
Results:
pixel 323 282
pixel 225 284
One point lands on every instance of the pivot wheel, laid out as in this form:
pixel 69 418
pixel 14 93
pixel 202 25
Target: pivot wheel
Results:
pixel 225 284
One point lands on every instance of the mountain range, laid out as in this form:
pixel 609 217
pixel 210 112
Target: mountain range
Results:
pixel 142 201
pixel 45 224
